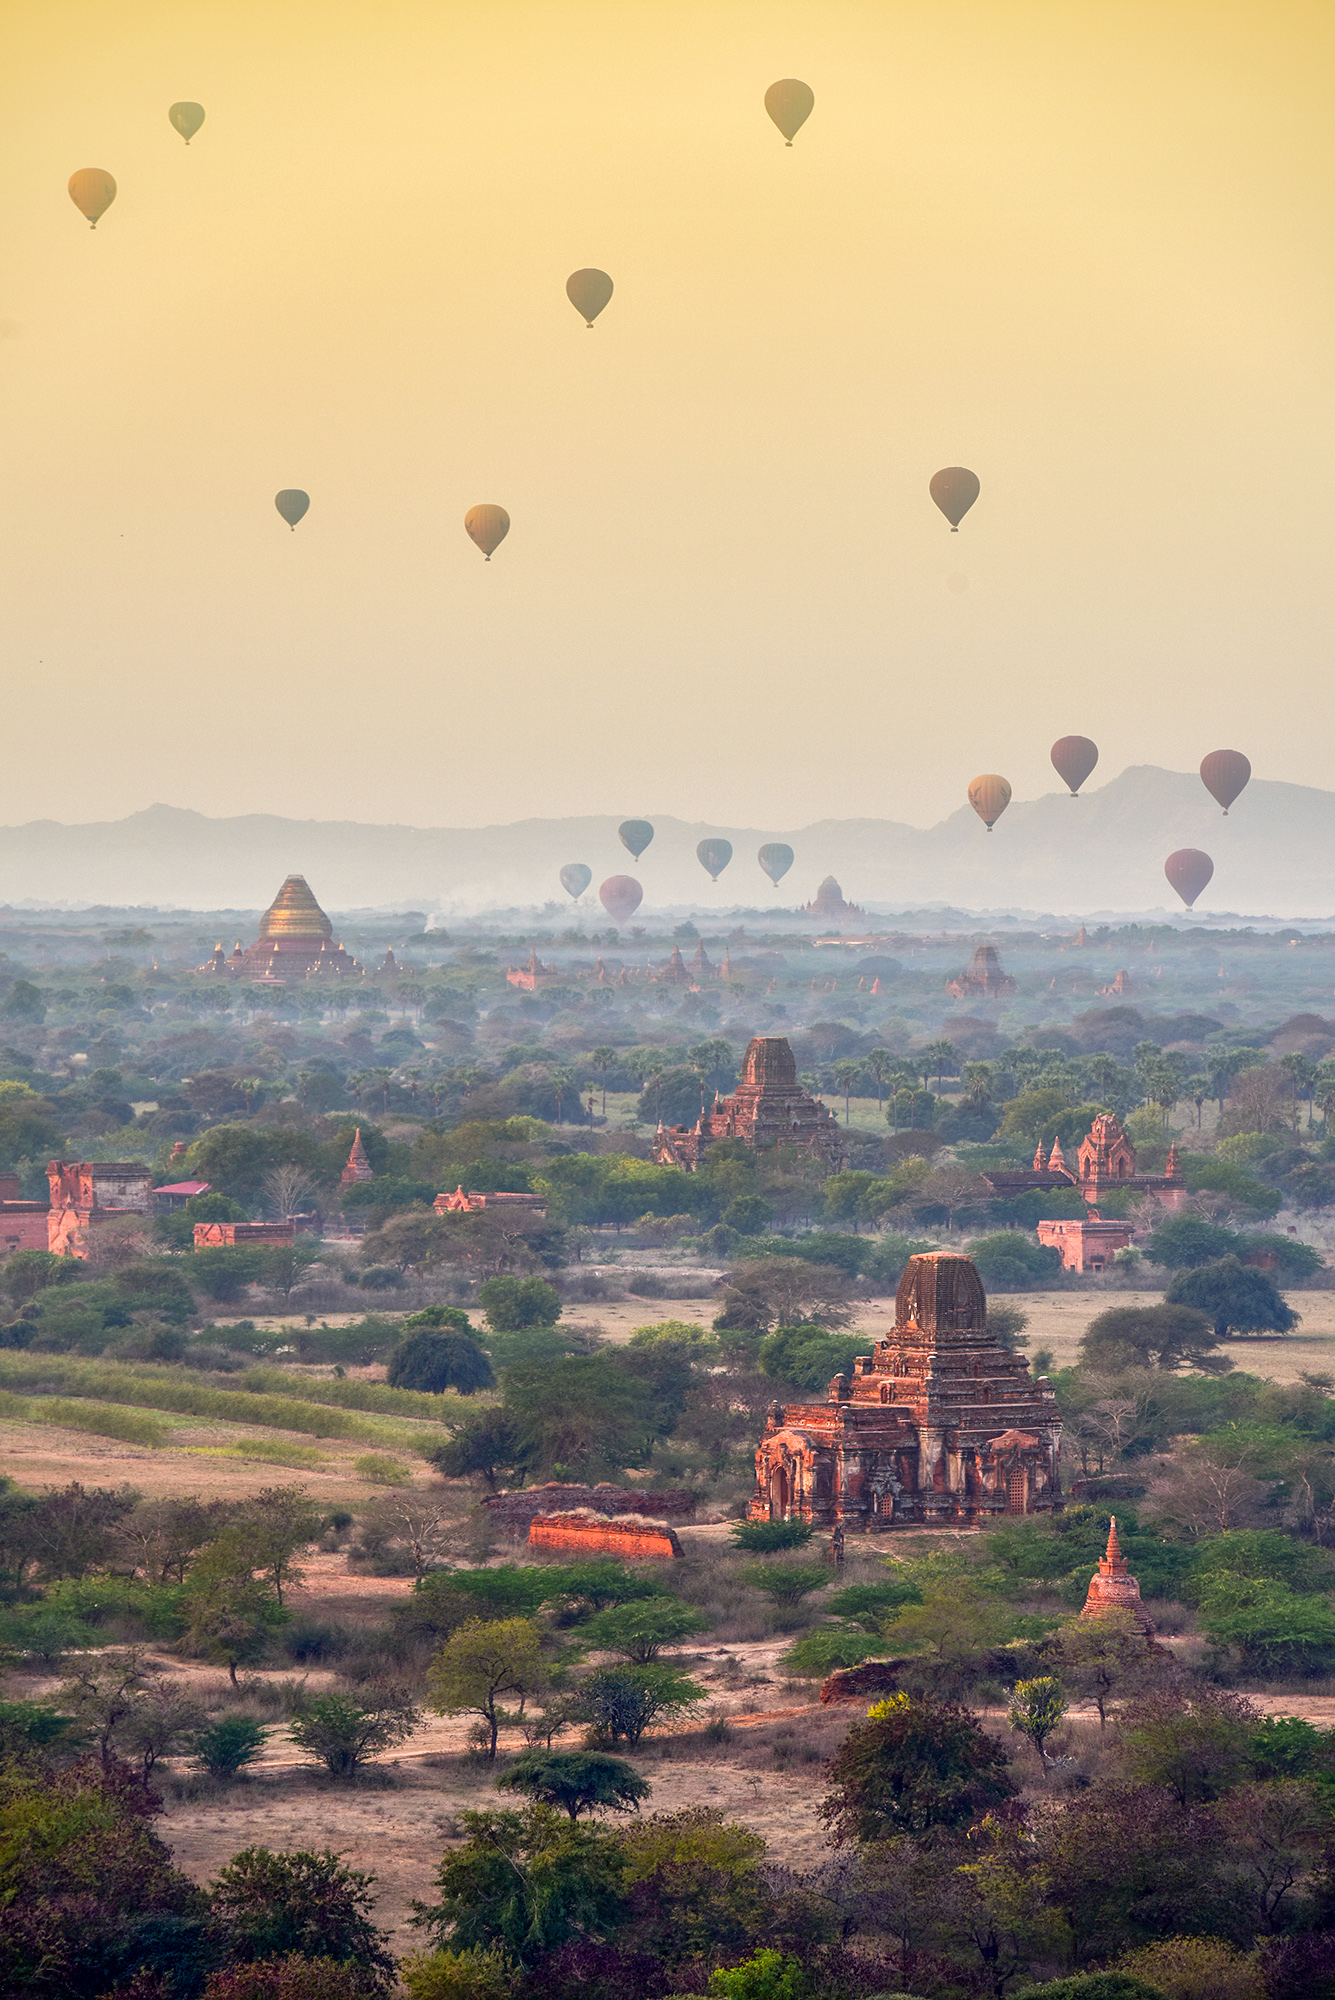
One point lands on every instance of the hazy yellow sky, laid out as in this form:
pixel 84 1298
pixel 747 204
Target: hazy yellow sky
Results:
pixel 1085 249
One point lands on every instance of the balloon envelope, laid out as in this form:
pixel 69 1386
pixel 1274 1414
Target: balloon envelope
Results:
pixel 588 292
pixel 187 118
pixel 488 526
pixel 621 896
pixel 1223 774
pixel 1188 870
pixel 575 878
pixel 776 858
pixel 1074 757
pixel 714 856
pixel 635 834
pixel 790 104
pixel 989 796
pixel 292 504
pixel 92 190
pixel 954 490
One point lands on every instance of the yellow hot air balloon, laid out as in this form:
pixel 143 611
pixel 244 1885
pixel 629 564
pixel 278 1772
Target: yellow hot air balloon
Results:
pixel 488 526
pixel 92 191
pixel 187 118
pixel 989 796
pixel 790 104
pixel 588 292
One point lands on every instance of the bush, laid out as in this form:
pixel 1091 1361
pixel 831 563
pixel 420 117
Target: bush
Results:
pixel 229 1744
pixel 341 1733
pixel 513 1304
pixel 913 1765
pixel 1181 1242
pixel 762 1538
pixel 828 1647
pixel 381 1278
pixel 1009 1261
pixel 1091 1986
pixel 290 1978
pixel 435 1361
pixel 382 1470
pixel 303 1903
pixel 457 1975
pixel 640 1629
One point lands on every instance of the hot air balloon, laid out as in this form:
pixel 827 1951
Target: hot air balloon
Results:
pixel 776 858
pixel 714 856
pixel 488 527
pixel 187 118
pixel 1074 757
pixel 588 292
pixel 636 835
pixel 575 878
pixel 1223 774
pixel 790 104
pixel 620 896
pixel 954 490
pixel 1189 871
pixel 92 190
pixel 292 504
pixel 989 796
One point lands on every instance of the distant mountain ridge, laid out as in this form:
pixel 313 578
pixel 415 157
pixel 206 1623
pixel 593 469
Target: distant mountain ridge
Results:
pixel 1274 855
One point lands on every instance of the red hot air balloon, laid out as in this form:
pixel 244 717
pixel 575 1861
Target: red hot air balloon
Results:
pixel 621 896
pixel 1189 872
pixel 954 490
pixel 1223 774
pixel 1073 758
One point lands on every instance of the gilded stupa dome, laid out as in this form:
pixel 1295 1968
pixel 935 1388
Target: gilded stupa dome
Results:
pixel 294 913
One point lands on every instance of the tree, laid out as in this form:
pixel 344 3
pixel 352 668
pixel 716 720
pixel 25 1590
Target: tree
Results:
pixel 341 1732
pixel 30 1271
pixel 915 1764
pixel 1193 1744
pixel 512 1304
pixel 786 1583
pixel 289 1978
pixel 784 1291
pixel 1126 1864
pixel 103 1691
pixel 283 1267
pixel 623 1702
pixel 229 1612
pixel 164 1536
pixel 1101 1658
pixel 1181 1242
pixel 488 1446
pixel 226 1746
pixel 1236 1298
pixel 287 1189
pixel 1036 1709
pixel 224 1270
pixel 847 1075
pixel 694 1886
pixel 602 1059
pixel 416 1521
pixel 526 1883
pixel 276 1525
pixel 482 1661
pixel 438 1361
pixel 75 1528
pixel 639 1630
pixel 1277 1832
pixel 1166 1336
pixel 576 1781
pixel 303 1903
pixel 580 1409
pixel 765 1537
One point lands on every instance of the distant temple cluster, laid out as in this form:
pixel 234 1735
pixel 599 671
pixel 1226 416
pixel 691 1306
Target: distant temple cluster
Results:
pixel 1105 1164
pixel 768 1108
pixel 940 1425
pixel 984 979
pixel 828 903
pixel 692 975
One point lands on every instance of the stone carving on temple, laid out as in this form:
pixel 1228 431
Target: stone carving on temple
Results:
pixel 296 941
pixel 939 1425
pixel 768 1108
pixel 984 979
pixel 1112 1588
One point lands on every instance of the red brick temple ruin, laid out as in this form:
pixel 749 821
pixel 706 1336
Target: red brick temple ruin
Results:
pixel 85 1193
pixel 468 1201
pixel 1113 1588
pixel 768 1108
pixel 1105 1164
pixel 984 979
pixel 939 1426
pixel 359 1168
pixel 296 941
pixel 23 1224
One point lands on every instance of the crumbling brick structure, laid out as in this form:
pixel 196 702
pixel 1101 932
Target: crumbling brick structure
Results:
pixel 939 1425
pixel 630 1536
pixel 768 1108
pixel 85 1193
pixel 224 1235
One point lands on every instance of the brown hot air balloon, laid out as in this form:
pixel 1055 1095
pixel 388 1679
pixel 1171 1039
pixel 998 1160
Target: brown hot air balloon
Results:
pixel 92 190
pixel 1223 774
pixel 488 526
pixel 620 896
pixel 790 104
pixel 989 796
pixel 1073 758
pixel 1189 871
pixel 588 292
pixel 954 490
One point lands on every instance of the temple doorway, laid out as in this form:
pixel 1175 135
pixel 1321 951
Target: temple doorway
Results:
pixel 780 1492
pixel 1017 1492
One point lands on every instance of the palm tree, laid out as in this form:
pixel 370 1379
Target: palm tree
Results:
pixel 847 1071
pixel 602 1060
pixel 414 1077
pixel 876 1066
pixel 561 1081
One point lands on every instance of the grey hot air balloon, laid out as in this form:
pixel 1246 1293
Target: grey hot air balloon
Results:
pixel 714 856
pixel 588 292
pixel 776 858
pixel 575 878
pixel 187 118
pixel 954 490
pixel 636 835
pixel 292 504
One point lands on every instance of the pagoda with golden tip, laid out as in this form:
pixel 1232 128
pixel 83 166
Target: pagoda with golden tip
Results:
pixel 296 941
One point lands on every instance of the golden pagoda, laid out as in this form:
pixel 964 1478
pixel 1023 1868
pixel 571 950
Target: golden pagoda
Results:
pixel 296 941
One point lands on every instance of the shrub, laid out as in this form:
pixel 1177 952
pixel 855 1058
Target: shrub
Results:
pixel 766 1537
pixel 290 1978
pixel 786 1584
pixel 513 1304
pixel 819 1653
pixel 640 1629
pixel 457 1975
pixel 913 1765
pixel 1009 1261
pixel 382 1470
pixel 575 1781
pixel 341 1732
pixel 228 1745
pixel 623 1702
pixel 301 1903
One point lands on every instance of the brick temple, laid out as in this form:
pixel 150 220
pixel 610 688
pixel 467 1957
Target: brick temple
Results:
pixel 984 979
pixel 938 1426
pixel 1105 1164
pixel 768 1108
pixel 296 941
